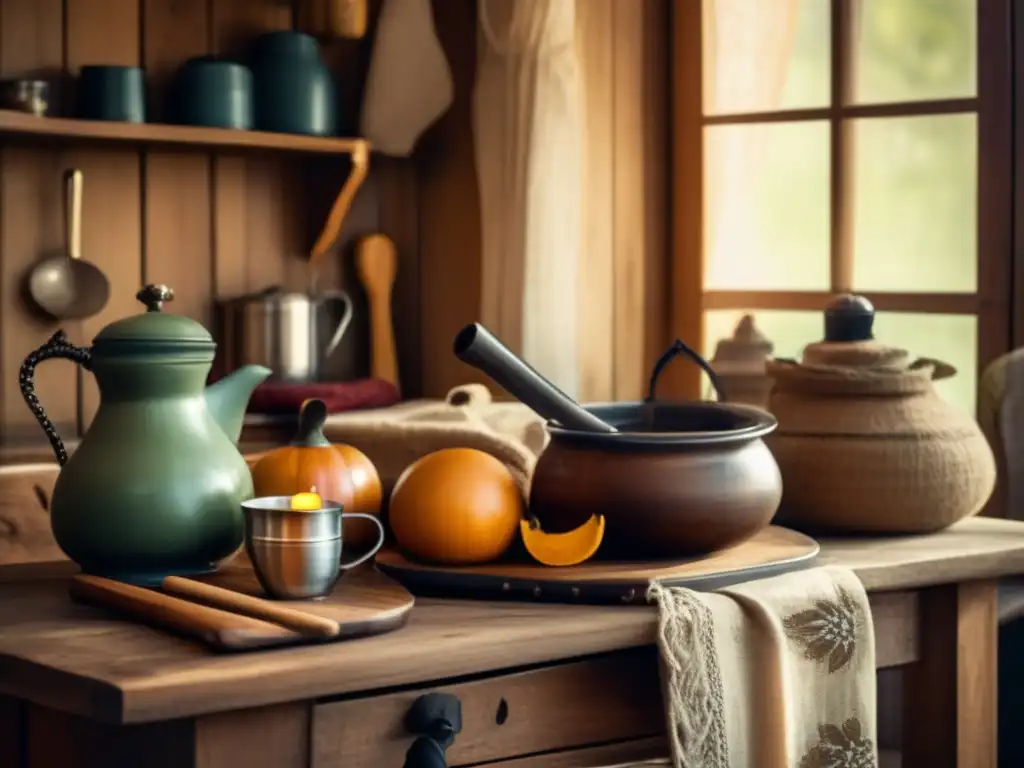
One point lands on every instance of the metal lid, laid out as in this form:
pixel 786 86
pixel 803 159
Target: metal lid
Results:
pixel 849 318
pixel 155 326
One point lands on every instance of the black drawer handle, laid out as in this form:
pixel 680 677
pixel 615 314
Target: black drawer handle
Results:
pixel 435 718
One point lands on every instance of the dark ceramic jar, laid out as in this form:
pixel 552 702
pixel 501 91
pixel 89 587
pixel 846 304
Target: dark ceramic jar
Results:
pixel 294 92
pixel 213 92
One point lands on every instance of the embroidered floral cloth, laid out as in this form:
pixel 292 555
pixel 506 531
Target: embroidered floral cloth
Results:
pixel 776 673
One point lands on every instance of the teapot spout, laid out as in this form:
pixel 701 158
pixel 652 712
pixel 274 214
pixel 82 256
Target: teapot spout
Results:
pixel 227 399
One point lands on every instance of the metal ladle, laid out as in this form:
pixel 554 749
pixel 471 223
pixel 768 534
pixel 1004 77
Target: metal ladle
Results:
pixel 66 286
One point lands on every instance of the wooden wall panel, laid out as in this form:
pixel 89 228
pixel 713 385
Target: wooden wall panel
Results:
pixel 397 182
pixel 219 226
pixel 449 211
pixel 177 220
pixel 178 240
pixel 595 26
pixel 641 225
pixel 229 26
pixel 227 192
pixel 687 159
pixel 210 226
pixel 102 32
pixel 107 32
pixel 31 227
pixel 272 248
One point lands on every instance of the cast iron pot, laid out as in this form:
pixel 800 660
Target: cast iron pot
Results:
pixel 672 479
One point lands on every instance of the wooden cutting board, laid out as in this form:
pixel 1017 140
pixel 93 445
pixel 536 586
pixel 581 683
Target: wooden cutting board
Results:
pixel 364 602
pixel 771 552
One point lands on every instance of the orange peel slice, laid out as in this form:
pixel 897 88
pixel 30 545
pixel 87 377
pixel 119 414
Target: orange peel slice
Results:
pixel 563 549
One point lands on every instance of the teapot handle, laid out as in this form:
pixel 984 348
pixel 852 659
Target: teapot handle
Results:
pixel 346 318
pixel 56 346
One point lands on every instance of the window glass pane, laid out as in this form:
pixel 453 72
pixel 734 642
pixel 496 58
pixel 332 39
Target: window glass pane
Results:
pixel 914 50
pixel 915 182
pixel 790 331
pixel 950 338
pixel 765 55
pixel 766 204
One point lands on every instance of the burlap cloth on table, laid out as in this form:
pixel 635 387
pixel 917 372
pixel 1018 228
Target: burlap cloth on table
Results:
pixel 775 673
pixel 395 437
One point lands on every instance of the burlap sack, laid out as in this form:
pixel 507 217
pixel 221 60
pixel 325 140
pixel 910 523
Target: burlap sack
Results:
pixel 393 438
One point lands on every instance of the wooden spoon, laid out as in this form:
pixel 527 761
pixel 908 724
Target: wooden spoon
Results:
pixel 376 266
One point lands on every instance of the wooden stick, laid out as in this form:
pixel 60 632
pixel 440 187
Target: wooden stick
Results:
pixel 218 628
pixel 256 607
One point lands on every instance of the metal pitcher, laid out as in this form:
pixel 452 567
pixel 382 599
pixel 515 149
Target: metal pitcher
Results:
pixel 282 330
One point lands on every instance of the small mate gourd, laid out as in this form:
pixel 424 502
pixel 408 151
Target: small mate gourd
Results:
pixel 308 461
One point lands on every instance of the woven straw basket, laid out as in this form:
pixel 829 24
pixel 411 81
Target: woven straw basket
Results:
pixel 866 445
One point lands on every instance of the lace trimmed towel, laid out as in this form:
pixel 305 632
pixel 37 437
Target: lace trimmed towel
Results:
pixel 775 673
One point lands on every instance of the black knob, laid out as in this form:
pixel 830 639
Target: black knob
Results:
pixel 154 296
pixel 849 318
pixel 435 718
pixel 425 753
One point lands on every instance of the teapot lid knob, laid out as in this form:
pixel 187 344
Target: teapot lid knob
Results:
pixel 849 318
pixel 154 296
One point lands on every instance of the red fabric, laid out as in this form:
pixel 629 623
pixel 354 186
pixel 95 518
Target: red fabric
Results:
pixel 276 397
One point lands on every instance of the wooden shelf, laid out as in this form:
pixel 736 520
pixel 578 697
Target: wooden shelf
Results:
pixel 64 129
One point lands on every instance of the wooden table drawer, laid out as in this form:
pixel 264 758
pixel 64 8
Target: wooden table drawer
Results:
pixel 603 699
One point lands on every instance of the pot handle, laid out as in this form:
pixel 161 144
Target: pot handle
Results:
pixel 343 323
pixel 56 346
pixel 940 370
pixel 679 347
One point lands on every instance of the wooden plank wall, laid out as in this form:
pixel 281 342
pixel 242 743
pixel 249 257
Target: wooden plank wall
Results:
pixel 219 225
pixel 208 225
pixel 624 299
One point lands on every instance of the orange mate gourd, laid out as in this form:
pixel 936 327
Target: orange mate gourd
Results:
pixel 455 506
pixel 367 487
pixel 367 495
pixel 308 460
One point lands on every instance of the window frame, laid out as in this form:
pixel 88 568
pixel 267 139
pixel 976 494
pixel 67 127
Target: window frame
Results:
pixel 1000 320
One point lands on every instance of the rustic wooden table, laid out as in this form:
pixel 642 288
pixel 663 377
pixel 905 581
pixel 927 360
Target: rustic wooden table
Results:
pixel 540 685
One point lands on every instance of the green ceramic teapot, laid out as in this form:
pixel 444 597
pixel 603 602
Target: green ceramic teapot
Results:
pixel 156 485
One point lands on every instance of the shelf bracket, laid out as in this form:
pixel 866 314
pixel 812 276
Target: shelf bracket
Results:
pixel 342 204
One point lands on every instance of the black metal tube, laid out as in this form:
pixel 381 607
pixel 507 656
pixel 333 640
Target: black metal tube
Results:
pixel 478 347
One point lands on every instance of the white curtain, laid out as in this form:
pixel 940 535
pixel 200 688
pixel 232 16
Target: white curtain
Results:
pixel 528 134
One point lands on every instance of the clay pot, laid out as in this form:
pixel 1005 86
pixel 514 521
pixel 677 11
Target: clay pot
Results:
pixel 672 479
pixel 696 479
pixel 865 444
